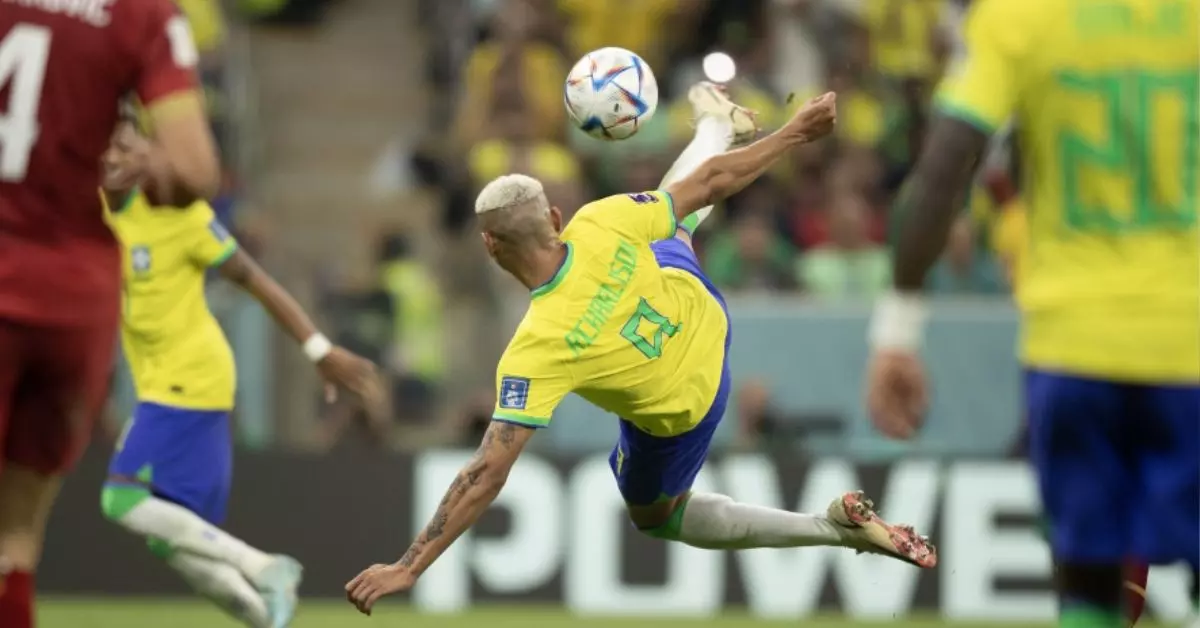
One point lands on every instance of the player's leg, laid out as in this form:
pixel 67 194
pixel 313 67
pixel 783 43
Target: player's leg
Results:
pixel 719 124
pixel 1074 428
pixel 655 476
pixel 1165 434
pixel 1136 576
pixel 169 482
pixel 48 411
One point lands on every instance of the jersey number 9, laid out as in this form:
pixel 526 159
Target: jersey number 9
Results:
pixel 650 347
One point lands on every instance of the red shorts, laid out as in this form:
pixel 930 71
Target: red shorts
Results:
pixel 53 384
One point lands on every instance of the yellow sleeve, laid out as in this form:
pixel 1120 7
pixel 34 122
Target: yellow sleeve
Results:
pixel 982 86
pixel 641 218
pixel 528 385
pixel 208 242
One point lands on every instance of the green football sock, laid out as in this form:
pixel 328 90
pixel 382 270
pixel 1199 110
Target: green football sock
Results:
pixel 1089 617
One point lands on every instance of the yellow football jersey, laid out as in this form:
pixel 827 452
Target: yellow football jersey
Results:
pixel 174 346
pixel 1104 95
pixel 643 342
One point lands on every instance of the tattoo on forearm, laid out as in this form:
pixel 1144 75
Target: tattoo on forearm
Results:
pixel 498 435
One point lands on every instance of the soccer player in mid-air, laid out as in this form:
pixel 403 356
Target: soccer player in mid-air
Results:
pixel 63 68
pixel 169 479
pixel 1104 94
pixel 622 315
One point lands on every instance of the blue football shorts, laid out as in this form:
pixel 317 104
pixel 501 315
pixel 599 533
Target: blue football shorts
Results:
pixel 649 468
pixel 1118 467
pixel 185 456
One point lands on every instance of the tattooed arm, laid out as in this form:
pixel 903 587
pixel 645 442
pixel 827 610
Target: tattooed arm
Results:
pixel 468 496
pixel 471 492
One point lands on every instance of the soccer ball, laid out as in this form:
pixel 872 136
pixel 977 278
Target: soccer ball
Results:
pixel 610 93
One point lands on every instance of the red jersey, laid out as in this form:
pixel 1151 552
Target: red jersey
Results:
pixel 64 66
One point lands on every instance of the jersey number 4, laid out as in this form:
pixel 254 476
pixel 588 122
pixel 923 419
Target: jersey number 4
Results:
pixel 23 56
pixel 650 347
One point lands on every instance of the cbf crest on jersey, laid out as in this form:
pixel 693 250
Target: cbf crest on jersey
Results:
pixel 641 198
pixel 514 392
pixel 139 258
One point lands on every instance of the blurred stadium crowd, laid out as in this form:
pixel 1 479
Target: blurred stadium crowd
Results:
pixel 818 225
pixel 436 314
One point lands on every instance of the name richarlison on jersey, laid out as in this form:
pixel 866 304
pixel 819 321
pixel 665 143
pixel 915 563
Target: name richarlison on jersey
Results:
pixel 600 308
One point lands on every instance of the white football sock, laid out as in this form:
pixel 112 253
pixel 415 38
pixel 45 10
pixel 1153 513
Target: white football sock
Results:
pixel 184 531
pixel 713 137
pixel 224 585
pixel 712 521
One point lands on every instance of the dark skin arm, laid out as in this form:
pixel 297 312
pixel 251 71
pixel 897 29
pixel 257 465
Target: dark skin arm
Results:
pixel 897 393
pixel 469 495
pixel 340 367
pixel 241 269
pixel 726 174
pixel 932 197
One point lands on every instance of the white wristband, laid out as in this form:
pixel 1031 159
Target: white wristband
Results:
pixel 898 322
pixel 317 347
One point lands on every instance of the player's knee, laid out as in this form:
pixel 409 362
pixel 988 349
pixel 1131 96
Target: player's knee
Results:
pixel 661 521
pixel 117 500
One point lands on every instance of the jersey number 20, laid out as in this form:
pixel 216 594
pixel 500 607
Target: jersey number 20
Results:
pixel 650 347
pixel 1150 124
pixel 23 56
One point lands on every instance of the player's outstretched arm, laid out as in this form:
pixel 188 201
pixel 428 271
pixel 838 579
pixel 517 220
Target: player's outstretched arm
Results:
pixel 339 367
pixel 473 489
pixel 722 176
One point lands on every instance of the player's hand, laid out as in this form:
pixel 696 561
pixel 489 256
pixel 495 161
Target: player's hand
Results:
pixel 342 369
pixel 897 395
pixel 814 120
pixel 375 582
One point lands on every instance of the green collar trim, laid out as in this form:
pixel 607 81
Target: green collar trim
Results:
pixel 128 200
pixel 559 276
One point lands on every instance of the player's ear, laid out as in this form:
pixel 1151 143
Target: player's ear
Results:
pixel 489 243
pixel 556 219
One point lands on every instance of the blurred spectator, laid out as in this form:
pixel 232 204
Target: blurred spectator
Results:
pixel 645 27
pixel 515 148
pixel 512 66
pixel 907 37
pixel 964 269
pixel 752 255
pixel 361 321
pixel 850 265
pixel 208 27
pixel 855 175
pixel 417 354
pixel 475 417
pixel 756 419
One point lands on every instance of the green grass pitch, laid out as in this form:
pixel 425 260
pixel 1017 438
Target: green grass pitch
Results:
pixel 189 613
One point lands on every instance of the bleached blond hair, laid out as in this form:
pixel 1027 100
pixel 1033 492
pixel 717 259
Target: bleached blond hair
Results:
pixel 511 191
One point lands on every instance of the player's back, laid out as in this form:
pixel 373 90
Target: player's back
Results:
pixel 63 68
pixel 1106 100
pixel 640 341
